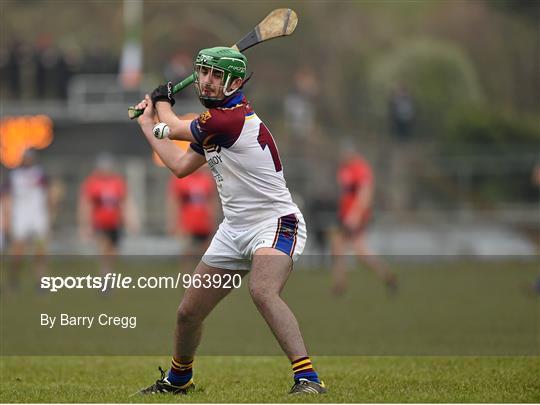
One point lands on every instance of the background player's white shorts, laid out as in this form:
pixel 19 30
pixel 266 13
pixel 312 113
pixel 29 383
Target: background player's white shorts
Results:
pixel 233 248
pixel 29 225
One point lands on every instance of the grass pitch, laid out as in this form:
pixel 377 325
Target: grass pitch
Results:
pixel 455 332
pixel 246 379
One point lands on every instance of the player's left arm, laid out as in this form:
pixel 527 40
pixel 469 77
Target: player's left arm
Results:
pixel 179 162
pixel 180 129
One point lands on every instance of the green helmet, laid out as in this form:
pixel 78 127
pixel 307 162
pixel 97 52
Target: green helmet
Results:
pixel 230 62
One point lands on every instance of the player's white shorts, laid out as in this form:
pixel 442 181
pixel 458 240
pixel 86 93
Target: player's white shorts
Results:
pixel 29 225
pixel 233 248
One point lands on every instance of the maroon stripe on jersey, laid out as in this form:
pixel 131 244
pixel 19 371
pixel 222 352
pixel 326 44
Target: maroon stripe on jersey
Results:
pixel 222 125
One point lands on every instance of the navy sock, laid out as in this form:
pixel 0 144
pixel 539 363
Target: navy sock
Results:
pixel 303 368
pixel 180 373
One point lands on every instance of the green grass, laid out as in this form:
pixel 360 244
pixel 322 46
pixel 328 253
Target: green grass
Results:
pixel 441 309
pixel 228 379
pixel 455 332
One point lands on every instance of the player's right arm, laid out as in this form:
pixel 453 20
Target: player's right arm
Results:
pixel 162 100
pixel 179 162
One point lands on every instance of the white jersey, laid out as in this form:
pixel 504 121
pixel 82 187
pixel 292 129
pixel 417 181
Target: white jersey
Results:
pixel 29 210
pixel 245 163
pixel 28 190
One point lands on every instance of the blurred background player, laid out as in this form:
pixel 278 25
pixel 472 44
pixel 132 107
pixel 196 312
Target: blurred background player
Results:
pixel 104 209
pixel 191 208
pixel 356 182
pixel 4 216
pixel 27 203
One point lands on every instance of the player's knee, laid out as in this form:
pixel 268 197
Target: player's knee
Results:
pixel 186 315
pixel 261 295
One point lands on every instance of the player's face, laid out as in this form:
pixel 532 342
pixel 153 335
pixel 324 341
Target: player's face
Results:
pixel 211 82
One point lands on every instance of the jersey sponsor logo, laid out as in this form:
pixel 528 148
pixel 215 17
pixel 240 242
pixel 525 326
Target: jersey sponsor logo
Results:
pixel 212 163
pixel 217 177
pixel 214 160
pixel 205 116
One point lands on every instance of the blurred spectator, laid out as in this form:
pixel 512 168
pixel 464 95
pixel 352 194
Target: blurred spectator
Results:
pixel 44 65
pixel 52 73
pixel 27 204
pixel 536 173
pixel 99 60
pixel 104 209
pixel 13 70
pixel 300 104
pixel 4 216
pixel 402 113
pixel 356 181
pixel 177 68
pixel 191 210
pixel 536 182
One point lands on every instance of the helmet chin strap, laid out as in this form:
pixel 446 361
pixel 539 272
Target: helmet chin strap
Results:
pixel 226 84
pixel 228 93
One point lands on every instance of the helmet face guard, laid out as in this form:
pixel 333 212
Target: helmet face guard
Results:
pixel 211 101
pixel 226 62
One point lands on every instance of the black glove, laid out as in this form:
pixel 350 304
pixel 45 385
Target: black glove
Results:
pixel 163 93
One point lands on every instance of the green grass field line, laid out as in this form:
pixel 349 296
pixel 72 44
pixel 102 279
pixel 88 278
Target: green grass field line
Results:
pixel 226 379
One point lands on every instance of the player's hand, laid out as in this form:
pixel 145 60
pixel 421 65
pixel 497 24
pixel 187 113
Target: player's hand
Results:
pixel 163 93
pixel 147 118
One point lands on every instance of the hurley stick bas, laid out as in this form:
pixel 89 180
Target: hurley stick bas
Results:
pixel 280 22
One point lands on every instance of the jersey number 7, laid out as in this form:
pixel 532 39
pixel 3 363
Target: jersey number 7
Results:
pixel 265 139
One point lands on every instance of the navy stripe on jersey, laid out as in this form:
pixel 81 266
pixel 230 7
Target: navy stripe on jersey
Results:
pixel 233 100
pixel 196 148
pixel 196 131
pixel 286 233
